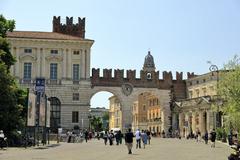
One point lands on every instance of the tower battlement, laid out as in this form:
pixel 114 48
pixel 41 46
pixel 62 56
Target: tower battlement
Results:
pixel 69 27
pixel 150 78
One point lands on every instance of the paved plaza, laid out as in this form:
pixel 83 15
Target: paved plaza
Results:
pixel 165 149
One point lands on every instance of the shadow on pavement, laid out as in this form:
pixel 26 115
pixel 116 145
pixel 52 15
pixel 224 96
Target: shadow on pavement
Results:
pixel 49 146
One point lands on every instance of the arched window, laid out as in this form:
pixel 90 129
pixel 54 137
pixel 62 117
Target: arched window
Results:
pixel 55 114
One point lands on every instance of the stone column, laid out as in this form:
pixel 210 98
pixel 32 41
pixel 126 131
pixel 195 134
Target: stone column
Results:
pixel 126 114
pixel 45 67
pixel 187 128
pixel 181 125
pixel 69 64
pixel 38 66
pixel 174 121
pixel 64 68
pixel 208 121
pixel 194 122
pixel 83 64
pixel 201 122
pixel 88 56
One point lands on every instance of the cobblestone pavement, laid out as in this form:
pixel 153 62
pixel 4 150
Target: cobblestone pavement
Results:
pixel 160 149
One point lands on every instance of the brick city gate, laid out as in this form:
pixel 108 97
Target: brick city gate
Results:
pixel 127 89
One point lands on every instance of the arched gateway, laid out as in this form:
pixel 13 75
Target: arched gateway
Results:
pixel 127 89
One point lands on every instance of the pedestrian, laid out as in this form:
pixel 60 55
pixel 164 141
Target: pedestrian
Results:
pixel 163 134
pixel 105 137
pixel 86 135
pixel 2 136
pixel 198 136
pixel 213 138
pixel 129 140
pixel 230 138
pixel 121 136
pixel 69 136
pixel 110 137
pixel 206 138
pixel 138 138
pixel 144 138
pixel 149 136
pixel 118 136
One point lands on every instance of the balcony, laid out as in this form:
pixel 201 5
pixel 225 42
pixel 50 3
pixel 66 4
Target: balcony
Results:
pixel 53 82
pixel 26 81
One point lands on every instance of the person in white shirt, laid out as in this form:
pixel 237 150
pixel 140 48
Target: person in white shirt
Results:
pixel 138 138
pixel 2 136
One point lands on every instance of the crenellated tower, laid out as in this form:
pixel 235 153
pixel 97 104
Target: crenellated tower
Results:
pixel 69 28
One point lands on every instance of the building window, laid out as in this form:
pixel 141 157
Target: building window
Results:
pixel 27 50
pixel 75 52
pixel 144 107
pixel 75 72
pixel 190 83
pixel 75 117
pixel 53 71
pixel 54 51
pixel 197 82
pixel 75 96
pixel 27 71
pixel 204 80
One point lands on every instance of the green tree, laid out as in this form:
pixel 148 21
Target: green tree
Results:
pixel 12 99
pixel 229 90
pixel 96 123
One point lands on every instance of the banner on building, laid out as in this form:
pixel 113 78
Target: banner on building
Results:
pixel 31 109
pixel 44 104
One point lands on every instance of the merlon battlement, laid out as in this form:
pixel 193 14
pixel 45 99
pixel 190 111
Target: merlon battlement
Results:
pixel 69 28
pixel 144 75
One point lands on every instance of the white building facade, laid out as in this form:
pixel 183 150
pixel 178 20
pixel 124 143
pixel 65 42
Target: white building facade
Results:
pixel 62 57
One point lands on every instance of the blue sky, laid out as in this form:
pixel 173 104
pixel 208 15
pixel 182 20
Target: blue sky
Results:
pixel 181 34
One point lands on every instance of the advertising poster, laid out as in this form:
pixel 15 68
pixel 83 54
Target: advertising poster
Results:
pixel 31 109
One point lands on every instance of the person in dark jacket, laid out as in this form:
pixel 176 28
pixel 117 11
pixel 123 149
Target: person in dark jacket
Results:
pixel 213 137
pixel 129 140
pixel 206 138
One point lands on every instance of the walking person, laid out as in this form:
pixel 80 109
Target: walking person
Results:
pixel 138 138
pixel 144 138
pixel 206 138
pixel 149 136
pixel 213 138
pixel 129 140
pixel 105 137
pixel 86 135
pixel 121 136
pixel 118 136
pixel 110 137
pixel 2 136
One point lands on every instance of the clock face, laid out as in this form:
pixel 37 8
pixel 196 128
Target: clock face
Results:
pixel 127 89
pixel 213 68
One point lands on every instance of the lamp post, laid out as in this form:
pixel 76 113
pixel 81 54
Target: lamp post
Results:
pixel 214 68
pixel 89 119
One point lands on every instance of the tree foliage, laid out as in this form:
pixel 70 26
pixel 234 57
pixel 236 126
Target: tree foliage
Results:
pixel 229 89
pixel 12 99
pixel 96 123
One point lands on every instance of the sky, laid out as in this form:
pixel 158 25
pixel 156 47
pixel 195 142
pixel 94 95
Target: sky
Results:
pixel 182 35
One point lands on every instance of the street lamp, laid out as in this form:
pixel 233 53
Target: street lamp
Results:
pixel 214 68
pixel 89 118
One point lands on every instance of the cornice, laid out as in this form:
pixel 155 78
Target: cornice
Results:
pixel 24 56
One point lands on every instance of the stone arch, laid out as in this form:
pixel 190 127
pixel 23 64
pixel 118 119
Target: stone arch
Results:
pixel 112 90
pixel 54 93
